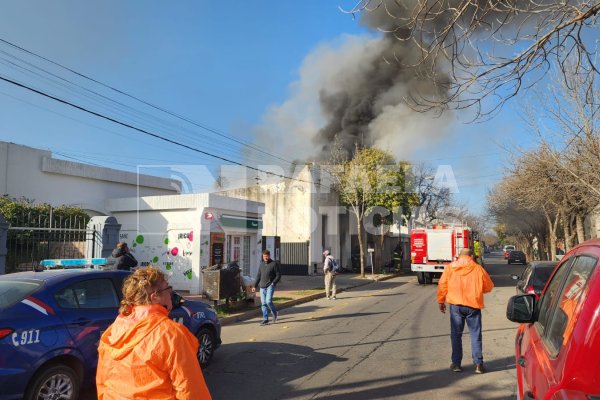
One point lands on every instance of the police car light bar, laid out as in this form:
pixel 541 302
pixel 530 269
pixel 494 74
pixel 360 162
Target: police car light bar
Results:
pixel 64 263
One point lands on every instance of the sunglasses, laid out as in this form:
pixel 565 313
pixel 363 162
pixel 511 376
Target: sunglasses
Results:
pixel 162 290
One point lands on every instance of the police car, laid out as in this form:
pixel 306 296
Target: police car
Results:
pixel 51 321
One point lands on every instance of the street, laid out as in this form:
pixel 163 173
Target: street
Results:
pixel 386 340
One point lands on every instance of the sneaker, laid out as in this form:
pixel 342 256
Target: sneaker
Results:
pixel 334 298
pixel 455 368
pixel 275 317
pixel 479 369
pixel 265 322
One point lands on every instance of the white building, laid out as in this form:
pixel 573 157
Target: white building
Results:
pixel 35 175
pixel 184 234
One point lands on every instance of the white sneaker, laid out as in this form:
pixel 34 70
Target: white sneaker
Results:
pixel 333 298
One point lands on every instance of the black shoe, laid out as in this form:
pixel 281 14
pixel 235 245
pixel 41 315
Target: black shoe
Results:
pixel 479 369
pixel 455 368
pixel 265 322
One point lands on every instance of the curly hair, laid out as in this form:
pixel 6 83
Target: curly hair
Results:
pixel 138 287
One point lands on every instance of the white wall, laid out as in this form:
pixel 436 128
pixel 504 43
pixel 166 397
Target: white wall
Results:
pixel 34 174
pixel 164 223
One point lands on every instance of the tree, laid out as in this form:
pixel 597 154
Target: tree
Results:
pixel 493 49
pixel 371 178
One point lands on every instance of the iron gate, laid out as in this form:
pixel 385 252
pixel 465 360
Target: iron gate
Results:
pixel 294 258
pixel 32 238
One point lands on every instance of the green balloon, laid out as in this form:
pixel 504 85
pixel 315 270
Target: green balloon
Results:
pixel 139 239
pixel 155 259
pixel 166 240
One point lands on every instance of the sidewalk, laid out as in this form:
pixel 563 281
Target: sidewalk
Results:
pixel 301 289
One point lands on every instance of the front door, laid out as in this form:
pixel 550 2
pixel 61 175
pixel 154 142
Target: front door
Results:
pixel 239 251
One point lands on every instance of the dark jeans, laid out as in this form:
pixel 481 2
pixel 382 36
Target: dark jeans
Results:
pixel 458 316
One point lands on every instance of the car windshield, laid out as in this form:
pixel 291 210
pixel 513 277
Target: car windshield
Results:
pixel 12 292
pixel 541 276
pixel 517 253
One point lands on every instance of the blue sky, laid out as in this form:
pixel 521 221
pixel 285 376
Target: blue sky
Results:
pixel 226 65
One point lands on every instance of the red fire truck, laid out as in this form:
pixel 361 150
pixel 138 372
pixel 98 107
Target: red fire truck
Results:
pixel 432 248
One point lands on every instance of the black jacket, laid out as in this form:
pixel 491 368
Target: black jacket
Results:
pixel 268 273
pixel 125 260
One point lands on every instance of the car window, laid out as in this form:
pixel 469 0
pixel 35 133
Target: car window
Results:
pixel 93 293
pixel 563 317
pixel 526 273
pixel 11 292
pixel 549 296
pixel 541 276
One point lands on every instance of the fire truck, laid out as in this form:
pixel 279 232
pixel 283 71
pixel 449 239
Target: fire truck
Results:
pixel 432 248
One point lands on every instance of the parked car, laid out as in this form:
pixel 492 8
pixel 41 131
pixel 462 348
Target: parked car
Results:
pixel 51 322
pixel 557 344
pixel 507 249
pixel 534 277
pixel 516 256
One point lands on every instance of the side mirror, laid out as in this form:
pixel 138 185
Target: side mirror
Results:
pixel 176 299
pixel 521 308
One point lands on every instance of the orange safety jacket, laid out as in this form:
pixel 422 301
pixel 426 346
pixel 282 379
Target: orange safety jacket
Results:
pixel 463 283
pixel 145 355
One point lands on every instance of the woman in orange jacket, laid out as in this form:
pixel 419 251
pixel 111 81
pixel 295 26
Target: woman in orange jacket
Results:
pixel 144 354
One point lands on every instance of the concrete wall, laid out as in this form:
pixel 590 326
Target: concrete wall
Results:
pixel 34 174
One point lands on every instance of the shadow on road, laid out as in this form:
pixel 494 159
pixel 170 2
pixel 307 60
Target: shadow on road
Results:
pixel 270 367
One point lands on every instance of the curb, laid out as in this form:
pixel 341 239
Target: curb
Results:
pixel 231 319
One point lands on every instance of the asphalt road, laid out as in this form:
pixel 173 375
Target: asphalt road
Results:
pixel 386 340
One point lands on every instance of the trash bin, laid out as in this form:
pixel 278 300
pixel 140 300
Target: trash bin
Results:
pixel 222 283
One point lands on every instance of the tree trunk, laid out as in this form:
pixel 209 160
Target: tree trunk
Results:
pixel 580 228
pixel 552 227
pixel 566 222
pixel 361 244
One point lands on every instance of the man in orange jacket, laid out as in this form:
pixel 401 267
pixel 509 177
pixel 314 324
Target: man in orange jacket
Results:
pixel 462 285
pixel 144 354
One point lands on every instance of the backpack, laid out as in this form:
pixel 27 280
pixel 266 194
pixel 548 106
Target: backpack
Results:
pixel 333 266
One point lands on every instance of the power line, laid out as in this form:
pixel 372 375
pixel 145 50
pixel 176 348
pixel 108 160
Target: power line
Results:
pixel 188 120
pixel 154 135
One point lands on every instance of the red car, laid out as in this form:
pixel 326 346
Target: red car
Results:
pixel 558 341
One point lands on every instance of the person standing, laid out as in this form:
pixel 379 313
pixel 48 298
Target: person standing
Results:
pixel 144 354
pixel 462 286
pixel 125 260
pixel 268 276
pixel 329 275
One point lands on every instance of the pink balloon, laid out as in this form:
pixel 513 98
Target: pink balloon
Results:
pixel 174 251
pixel 191 236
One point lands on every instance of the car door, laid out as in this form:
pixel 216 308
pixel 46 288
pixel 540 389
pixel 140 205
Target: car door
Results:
pixel 88 307
pixel 543 352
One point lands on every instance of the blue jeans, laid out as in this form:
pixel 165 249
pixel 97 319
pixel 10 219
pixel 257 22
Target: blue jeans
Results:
pixel 458 316
pixel 266 299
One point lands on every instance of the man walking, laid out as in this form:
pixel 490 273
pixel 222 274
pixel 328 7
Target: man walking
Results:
pixel 462 285
pixel 266 279
pixel 328 270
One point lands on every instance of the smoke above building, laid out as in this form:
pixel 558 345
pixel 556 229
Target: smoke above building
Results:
pixel 355 91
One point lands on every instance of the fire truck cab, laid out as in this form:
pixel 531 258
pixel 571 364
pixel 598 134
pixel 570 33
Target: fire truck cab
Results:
pixel 433 248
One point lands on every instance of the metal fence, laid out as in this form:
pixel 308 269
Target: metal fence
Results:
pixel 33 237
pixel 294 258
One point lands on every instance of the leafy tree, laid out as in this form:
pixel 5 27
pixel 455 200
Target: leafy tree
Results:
pixel 371 181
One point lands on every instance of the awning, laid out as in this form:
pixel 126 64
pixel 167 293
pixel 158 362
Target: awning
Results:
pixel 234 221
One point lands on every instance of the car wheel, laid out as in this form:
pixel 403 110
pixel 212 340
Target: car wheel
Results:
pixel 206 339
pixel 54 382
pixel 421 277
